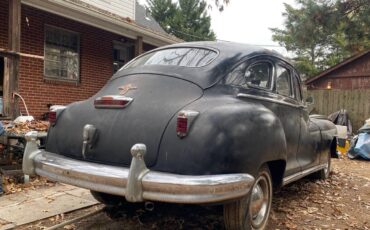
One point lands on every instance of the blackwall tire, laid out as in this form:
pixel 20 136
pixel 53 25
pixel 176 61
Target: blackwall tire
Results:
pixel 253 210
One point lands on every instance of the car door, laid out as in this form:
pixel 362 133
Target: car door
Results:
pixel 257 77
pixel 308 151
pixel 289 113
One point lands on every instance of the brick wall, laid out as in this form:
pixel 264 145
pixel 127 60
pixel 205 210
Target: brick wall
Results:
pixel 96 47
pixel 95 59
pixel 95 62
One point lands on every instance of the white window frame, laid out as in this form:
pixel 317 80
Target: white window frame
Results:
pixel 60 77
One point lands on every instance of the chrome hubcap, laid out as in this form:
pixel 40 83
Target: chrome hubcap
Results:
pixel 327 166
pixel 256 200
pixel 259 202
pixel 326 169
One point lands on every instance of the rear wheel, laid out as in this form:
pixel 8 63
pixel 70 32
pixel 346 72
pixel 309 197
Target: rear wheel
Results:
pixel 325 172
pixel 251 211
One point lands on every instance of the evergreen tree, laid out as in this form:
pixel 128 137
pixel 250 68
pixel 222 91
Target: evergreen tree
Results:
pixel 163 11
pixel 188 19
pixel 324 32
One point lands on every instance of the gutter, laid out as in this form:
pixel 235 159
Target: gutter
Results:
pixel 94 17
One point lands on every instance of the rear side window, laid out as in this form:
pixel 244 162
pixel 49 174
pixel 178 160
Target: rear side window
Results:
pixel 188 57
pixel 258 74
pixel 283 81
pixel 297 88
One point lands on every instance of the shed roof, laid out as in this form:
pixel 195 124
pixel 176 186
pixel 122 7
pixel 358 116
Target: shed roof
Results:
pixel 337 66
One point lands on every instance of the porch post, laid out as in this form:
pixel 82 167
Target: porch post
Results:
pixel 11 107
pixel 138 46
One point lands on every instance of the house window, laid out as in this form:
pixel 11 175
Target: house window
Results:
pixel 122 53
pixel 62 54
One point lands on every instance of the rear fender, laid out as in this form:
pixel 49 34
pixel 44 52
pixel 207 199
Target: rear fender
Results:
pixel 333 148
pixel 227 137
pixel 328 138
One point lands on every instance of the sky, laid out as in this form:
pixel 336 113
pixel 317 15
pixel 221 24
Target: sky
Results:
pixel 248 21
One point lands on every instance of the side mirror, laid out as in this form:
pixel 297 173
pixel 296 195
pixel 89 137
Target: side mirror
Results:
pixel 309 100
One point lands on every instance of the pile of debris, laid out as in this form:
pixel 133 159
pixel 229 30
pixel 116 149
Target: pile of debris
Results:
pixel 21 128
pixel 11 153
pixel 11 184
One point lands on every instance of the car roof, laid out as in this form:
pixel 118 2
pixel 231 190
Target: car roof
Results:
pixel 229 54
pixel 225 47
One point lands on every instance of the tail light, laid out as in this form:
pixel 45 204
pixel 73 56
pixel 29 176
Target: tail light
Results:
pixel 52 117
pixel 112 102
pixel 54 113
pixel 184 120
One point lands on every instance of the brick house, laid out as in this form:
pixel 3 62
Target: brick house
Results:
pixel 57 52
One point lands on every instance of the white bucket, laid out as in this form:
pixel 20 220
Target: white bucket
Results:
pixel 341 131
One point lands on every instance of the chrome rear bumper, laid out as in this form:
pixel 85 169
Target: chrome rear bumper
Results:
pixel 136 183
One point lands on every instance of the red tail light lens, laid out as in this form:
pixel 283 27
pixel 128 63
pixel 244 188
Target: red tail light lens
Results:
pixel 182 126
pixel 54 113
pixel 52 117
pixel 113 102
pixel 184 120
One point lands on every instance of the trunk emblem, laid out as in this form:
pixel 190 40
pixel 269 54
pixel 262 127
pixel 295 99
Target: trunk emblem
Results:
pixel 89 136
pixel 125 88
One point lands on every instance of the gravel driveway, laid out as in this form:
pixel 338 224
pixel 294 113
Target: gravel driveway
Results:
pixel 341 202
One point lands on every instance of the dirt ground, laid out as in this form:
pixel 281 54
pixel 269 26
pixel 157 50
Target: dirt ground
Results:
pixel 341 202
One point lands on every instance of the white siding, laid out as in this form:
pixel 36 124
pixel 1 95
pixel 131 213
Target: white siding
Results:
pixel 123 8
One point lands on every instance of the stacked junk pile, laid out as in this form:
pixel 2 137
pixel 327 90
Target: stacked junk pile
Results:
pixel 357 146
pixel 12 145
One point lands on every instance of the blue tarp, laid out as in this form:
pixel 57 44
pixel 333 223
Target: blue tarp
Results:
pixel 360 144
pixel 1 128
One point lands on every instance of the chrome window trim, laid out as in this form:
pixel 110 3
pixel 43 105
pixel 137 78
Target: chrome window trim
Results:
pixel 244 95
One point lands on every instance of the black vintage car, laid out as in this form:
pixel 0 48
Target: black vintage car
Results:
pixel 205 122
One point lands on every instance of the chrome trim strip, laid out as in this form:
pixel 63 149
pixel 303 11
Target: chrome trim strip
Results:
pixel 155 186
pixel 114 98
pixel 269 100
pixel 302 174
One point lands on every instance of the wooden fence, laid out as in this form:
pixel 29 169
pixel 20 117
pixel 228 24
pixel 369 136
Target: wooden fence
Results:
pixel 356 102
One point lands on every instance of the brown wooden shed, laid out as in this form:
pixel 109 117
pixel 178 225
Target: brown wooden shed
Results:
pixel 344 86
pixel 353 73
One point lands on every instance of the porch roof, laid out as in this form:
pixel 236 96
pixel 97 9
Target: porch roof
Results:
pixel 96 17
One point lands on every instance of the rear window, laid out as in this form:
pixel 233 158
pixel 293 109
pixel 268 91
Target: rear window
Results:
pixel 188 57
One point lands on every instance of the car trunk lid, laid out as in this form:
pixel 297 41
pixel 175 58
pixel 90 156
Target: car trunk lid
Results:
pixel 155 100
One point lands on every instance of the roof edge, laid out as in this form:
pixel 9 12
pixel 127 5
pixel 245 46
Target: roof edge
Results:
pixel 337 66
pixel 102 21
